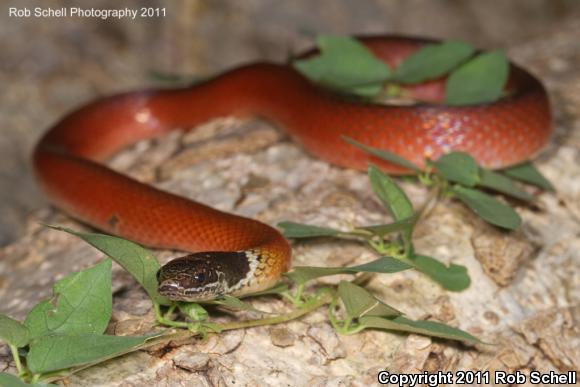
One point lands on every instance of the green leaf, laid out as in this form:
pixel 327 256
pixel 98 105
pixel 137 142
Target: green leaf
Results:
pixel 9 380
pixel 390 194
pixel 454 277
pixel 381 265
pixel 298 230
pixel 488 208
pixel 235 303
pixel 302 274
pixel 480 80
pixel 395 199
pixel 345 64
pixel 13 332
pixel 367 91
pixel 384 155
pixel 384 229
pixel 81 303
pixel 503 184
pixel 193 310
pixel 139 262
pixel 458 167
pixel 57 352
pixel 527 173
pixel 276 289
pixel 427 328
pixel 359 302
pixel 432 61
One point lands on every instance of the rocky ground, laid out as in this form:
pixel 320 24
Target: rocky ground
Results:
pixel 525 295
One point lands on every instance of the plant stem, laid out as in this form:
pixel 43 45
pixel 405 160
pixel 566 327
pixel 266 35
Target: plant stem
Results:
pixel 296 298
pixel 161 319
pixel 170 311
pixel 429 203
pixel 16 356
pixel 306 308
pixel 357 233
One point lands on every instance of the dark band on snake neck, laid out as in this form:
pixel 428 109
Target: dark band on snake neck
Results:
pixel 205 276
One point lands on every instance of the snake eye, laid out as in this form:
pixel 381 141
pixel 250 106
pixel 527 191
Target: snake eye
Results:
pixel 158 275
pixel 199 277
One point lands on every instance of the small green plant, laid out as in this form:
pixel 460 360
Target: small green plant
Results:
pixel 347 66
pixel 457 174
pixel 67 330
pixel 392 241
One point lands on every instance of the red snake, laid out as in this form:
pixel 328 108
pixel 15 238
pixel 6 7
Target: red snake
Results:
pixel 246 255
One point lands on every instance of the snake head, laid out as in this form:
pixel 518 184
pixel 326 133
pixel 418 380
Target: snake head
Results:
pixel 199 277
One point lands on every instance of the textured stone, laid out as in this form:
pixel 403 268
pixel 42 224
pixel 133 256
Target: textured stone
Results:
pixel 532 317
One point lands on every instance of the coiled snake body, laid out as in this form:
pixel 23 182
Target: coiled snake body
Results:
pixel 236 255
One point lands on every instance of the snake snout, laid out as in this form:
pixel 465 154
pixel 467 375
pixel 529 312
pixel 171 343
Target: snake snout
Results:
pixel 195 277
pixel 169 289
